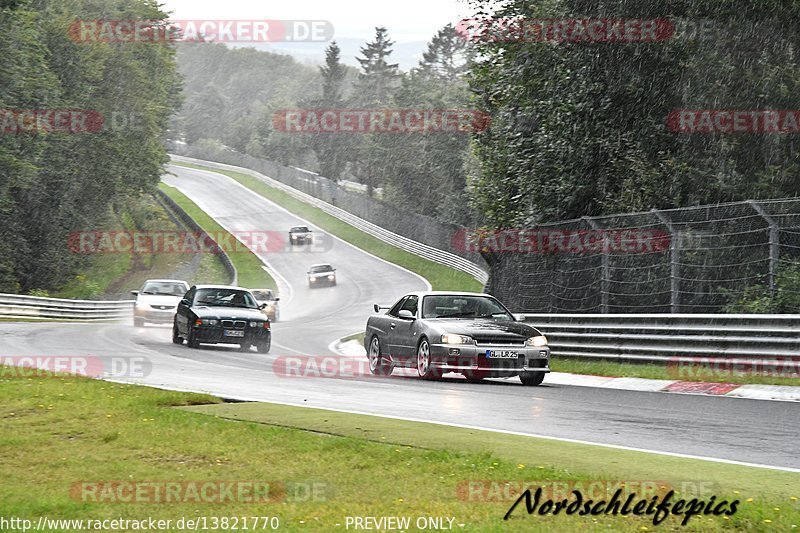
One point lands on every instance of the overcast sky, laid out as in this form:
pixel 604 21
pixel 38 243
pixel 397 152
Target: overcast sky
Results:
pixel 408 20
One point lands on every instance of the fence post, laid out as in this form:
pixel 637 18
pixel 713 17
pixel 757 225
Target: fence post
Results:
pixel 774 244
pixel 604 277
pixel 674 261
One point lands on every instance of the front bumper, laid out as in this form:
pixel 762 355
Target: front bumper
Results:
pixel 154 315
pixel 321 281
pixel 215 335
pixel 473 358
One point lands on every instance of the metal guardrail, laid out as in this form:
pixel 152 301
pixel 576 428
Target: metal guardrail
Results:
pixel 194 226
pixel 17 306
pixel 422 250
pixel 760 340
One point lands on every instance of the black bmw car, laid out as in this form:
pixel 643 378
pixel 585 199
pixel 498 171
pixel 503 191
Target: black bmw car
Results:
pixel 468 333
pixel 217 314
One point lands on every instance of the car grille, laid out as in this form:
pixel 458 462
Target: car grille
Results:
pixel 238 324
pixel 497 340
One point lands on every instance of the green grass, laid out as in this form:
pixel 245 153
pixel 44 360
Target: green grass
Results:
pixel 56 432
pixel 439 276
pixel 248 266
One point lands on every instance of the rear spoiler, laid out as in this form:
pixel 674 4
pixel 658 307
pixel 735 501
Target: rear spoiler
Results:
pixel 378 307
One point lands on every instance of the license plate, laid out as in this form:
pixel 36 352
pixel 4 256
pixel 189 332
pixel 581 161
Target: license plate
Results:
pixel 501 354
pixel 233 333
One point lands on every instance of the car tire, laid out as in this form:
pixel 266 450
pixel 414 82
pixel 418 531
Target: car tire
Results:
pixel 191 340
pixel 176 335
pixel 424 367
pixel 264 346
pixel 531 379
pixel 138 322
pixel 376 364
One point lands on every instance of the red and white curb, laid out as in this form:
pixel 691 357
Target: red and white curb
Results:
pixel 732 390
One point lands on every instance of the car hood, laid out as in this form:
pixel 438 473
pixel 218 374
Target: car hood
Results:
pixel 243 313
pixel 475 326
pixel 157 299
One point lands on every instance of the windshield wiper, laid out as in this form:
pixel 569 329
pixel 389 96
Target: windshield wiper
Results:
pixel 458 315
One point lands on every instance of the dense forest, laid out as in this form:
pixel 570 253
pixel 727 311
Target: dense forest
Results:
pixel 54 182
pixel 577 128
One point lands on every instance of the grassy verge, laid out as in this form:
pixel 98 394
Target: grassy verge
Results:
pixel 63 436
pixel 439 276
pixel 248 266
pixel 653 371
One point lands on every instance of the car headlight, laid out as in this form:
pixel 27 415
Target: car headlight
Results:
pixel 205 322
pixel 330 277
pixel 541 340
pixel 452 338
pixel 255 324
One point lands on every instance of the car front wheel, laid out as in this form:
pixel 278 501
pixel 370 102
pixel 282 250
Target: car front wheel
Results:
pixel 265 345
pixel 424 365
pixel 376 364
pixel 191 339
pixel 531 379
pixel 176 336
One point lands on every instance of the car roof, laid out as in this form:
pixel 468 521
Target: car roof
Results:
pixel 448 293
pixel 220 287
pixel 166 281
pixel 320 265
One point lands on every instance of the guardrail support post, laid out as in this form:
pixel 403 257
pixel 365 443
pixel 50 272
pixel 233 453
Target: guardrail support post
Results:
pixel 674 262
pixel 605 280
pixel 774 244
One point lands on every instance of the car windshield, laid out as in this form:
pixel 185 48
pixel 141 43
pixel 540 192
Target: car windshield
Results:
pixel 298 229
pixel 225 298
pixel 459 306
pixel 164 288
pixel 262 295
pixel 321 268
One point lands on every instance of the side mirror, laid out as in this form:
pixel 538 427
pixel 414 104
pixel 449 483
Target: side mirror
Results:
pixel 277 300
pixel 185 302
pixel 405 313
pixel 521 318
pixel 376 308
pixel 262 306
pixel 135 293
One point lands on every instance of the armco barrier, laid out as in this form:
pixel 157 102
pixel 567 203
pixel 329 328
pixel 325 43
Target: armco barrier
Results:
pixel 423 250
pixel 766 340
pixel 15 305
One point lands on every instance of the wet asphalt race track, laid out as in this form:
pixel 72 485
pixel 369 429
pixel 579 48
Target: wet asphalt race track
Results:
pixel 753 431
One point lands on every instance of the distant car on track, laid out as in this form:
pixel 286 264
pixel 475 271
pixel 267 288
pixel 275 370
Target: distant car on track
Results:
pixel 300 235
pixel 218 314
pixel 321 274
pixel 267 296
pixel 157 300
pixel 468 333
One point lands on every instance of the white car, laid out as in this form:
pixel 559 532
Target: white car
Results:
pixel 157 300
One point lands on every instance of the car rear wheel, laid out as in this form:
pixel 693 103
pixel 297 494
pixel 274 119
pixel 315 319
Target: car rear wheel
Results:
pixel 265 345
pixel 424 366
pixel 376 364
pixel 176 336
pixel 531 379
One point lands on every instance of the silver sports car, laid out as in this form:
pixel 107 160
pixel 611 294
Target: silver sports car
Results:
pixel 465 332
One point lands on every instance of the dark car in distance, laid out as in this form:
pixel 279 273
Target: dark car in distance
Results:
pixel 219 314
pixel 300 235
pixel 321 274
pixel 468 333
